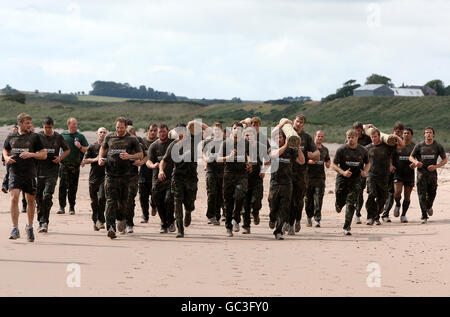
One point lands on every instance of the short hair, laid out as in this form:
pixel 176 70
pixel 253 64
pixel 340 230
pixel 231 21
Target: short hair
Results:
pixel 301 117
pixel 49 121
pixel 376 131
pixel 22 117
pixel 320 131
pixel 163 126
pixel 122 120
pixel 217 124
pixel 399 126
pixel 357 125
pixel 131 130
pixel 410 130
pixel 129 122
pixel 70 119
pixel 152 125
pixel 429 128
pixel 281 132
pixel 351 132
pixel 238 124
pixel 256 120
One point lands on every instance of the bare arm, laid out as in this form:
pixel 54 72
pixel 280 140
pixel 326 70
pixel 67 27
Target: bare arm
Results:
pixel 301 157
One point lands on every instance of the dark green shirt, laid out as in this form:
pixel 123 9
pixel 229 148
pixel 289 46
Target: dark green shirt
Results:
pixel 76 156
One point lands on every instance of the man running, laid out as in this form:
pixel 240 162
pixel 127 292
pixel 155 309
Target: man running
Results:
pixel 96 180
pixel 119 148
pixel 20 151
pixel 69 171
pixel 425 155
pixel 316 184
pixel 182 153
pixel 161 191
pixel 380 158
pixel 364 140
pixel 300 180
pixel 47 171
pixel 133 186
pixel 214 174
pixel 235 154
pixel 145 178
pixel 280 193
pixel 351 162
pixel 404 175
pixel 398 130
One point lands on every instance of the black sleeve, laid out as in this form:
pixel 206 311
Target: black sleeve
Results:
pixel 137 146
pixel 327 156
pixel 6 144
pixel 38 145
pixel 366 156
pixel 416 151
pixel 168 156
pixel 63 143
pixel 312 146
pixel 89 152
pixel 337 156
pixel 441 152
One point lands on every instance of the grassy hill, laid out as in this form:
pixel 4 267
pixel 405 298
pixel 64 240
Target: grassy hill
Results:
pixel 333 117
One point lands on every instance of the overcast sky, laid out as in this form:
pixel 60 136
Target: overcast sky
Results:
pixel 252 49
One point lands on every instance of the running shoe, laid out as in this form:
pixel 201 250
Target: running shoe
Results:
pixel 15 234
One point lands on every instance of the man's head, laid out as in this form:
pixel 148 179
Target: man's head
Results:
pixel 408 134
pixel 129 122
pixel 48 125
pixel 25 123
pixel 299 122
pixel 152 131
pixel 358 127
pixel 218 131
pixel 72 125
pixel 375 136
pixel 256 123
pixel 101 133
pixel 249 134
pixel 121 126
pixel 319 137
pixel 398 128
pixel 429 133
pixel 281 138
pixel 236 129
pixel 352 137
pixel 163 132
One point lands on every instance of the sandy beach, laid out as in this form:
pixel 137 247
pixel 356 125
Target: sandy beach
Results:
pixel 389 260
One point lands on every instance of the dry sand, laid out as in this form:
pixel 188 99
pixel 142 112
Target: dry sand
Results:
pixel 413 258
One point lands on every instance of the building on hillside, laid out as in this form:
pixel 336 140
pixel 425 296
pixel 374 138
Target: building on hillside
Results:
pixel 427 91
pixel 408 92
pixel 373 90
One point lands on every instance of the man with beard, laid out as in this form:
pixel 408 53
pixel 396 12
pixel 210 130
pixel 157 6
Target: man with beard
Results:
pixel 161 191
pixel 96 180
pixel 351 162
pixel 145 178
pixel 47 171
pixel 214 174
pixel 182 153
pixel 20 150
pixel 316 184
pixel 119 148
pixel 425 155
pixel 404 175
pixel 380 158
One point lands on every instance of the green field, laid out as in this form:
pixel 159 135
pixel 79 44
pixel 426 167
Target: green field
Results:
pixel 333 117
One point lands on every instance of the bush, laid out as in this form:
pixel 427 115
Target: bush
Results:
pixel 20 98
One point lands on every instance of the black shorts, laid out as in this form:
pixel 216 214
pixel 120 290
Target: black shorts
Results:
pixel 27 185
pixel 409 182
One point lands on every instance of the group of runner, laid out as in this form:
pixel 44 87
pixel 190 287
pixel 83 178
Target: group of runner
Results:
pixel 162 167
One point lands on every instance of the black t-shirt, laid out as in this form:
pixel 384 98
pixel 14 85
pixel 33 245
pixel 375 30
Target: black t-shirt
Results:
pixel 238 164
pixel 97 172
pixel 156 154
pixel 53 144
pixel 307 145
pixel 317 170
pixel 211 148
pixel 401 163
pixel 258 155
pixel 17 143
pixel 380 158
pixel 144 149
pixel 281 167
pixel 183 155
pixel 145 173
pixel 364 140
pixel 114 145
pixel 428 155
pixel 353 159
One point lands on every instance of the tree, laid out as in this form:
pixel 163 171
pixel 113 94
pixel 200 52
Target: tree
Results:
pixel 437 85
pixel 19 97
pixel 447 91
pixel 345 91
pixel 379 79
pixel 8 90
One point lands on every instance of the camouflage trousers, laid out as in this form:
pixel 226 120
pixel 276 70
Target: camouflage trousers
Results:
pixel 279 203
pixel 253 198
pixel 116 189
pixel 68 184
pixel 214 184
pixel 234 194
pixel 347 191
pixel 184 193
pixel 426 190
pixel 162 196
pixel 133 188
